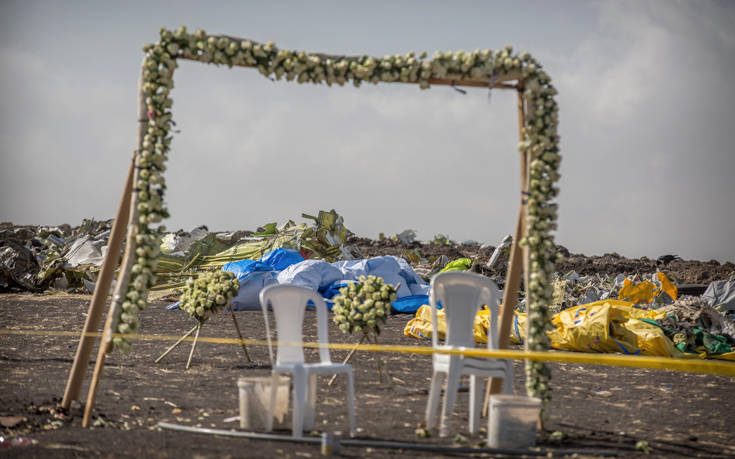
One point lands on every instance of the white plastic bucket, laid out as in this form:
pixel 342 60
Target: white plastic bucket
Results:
pixel 255 395
pixel 512 421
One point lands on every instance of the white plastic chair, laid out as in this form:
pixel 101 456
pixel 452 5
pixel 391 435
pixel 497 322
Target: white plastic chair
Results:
pixel 288 303
pixel 462 294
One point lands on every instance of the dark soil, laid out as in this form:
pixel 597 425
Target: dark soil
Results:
pixel 679 271
pixel 595 407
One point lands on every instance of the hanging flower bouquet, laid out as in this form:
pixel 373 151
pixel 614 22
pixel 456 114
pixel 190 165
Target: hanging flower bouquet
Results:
pixel 360 308
pixel 203 298
pixel 209 294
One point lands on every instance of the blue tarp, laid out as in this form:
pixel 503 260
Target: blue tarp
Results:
pixel 286 266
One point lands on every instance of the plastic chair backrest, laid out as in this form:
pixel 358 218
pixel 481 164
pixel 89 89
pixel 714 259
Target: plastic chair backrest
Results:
pixel 288 303
pixel 462 294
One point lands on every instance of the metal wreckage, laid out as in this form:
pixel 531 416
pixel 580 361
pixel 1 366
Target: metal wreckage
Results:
pixel 67 259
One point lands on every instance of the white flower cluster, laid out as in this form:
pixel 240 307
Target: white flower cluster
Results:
pixel 208 294
pixel 541 140
pixel 363 304
pixel 542 146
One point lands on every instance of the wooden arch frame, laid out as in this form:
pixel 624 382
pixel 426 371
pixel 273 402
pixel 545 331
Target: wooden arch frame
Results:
pixel 500 70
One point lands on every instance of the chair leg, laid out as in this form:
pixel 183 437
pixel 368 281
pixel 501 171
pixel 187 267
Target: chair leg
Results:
pixel 299 400
pixel 508 380
pixel 272 404
pixel 433 402
pixel 450 394
pixel 310 405
pixel 475 404
pixel 351 402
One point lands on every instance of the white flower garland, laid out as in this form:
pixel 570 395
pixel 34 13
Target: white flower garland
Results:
pixel 540 134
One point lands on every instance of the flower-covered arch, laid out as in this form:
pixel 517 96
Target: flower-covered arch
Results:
pixel 504 68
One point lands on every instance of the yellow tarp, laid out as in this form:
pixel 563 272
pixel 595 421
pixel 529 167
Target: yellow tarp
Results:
pixel 644 292
pixel 602 326
pixel 420 326
pixel 667 286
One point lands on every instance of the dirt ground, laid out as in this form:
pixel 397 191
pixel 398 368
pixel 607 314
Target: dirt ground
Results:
pixel 678 270
pixel 597 408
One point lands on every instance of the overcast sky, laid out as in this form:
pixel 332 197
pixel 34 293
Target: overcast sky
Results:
pixel 647 120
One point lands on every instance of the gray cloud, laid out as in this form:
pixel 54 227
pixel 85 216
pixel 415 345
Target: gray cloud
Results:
pixel 646 121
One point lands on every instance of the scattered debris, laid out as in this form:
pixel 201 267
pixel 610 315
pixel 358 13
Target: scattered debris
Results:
pixel 16 441
pixel 504 247
pixel 721 294
pixel 406 236
pixel 62 258
pixel 11 421
pixel 642 446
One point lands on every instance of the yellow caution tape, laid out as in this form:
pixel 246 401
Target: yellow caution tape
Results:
pixel 660 363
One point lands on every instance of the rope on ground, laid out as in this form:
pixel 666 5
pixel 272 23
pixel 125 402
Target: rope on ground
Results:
pixel 639 361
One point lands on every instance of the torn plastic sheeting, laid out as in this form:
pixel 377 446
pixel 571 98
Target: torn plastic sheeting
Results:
pixel 646 292
pixel 314 274
pixel 603 326
pixel 281 259
pixel 667 286
pixel 460 264
pixel 409 304
pixel 243 268
pixel 255 275
pixel 85 251
pixel 721 293
pixel 390 269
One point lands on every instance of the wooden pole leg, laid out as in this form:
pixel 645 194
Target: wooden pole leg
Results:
pixel 510 298
pixel 102 352
pixel 101 290
pixel 173 346
pixel 193 346
pixel 518 260
pixel 242 341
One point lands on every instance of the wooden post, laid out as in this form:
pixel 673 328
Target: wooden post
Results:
pixel 101 290
pixel 128 258
pixel 518 260
pixel 120 286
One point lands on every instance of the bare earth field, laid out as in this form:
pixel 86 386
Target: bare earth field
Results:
pixel 597 408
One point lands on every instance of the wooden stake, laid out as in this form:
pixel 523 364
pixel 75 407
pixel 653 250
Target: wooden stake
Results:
pixel 518 260
pixel 347 359
pixel 98 365
pixel 380 362
pixel 101 290
pixel 242 341
pixel 176 344
pixel 193 345
pixel 127 261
